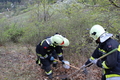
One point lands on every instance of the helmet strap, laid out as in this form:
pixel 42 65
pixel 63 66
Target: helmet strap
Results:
pixel 98 41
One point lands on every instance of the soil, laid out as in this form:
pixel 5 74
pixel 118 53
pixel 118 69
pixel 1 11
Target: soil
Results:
pixel 17 62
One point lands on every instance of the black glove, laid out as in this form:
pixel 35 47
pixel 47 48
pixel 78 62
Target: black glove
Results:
pixel 99 63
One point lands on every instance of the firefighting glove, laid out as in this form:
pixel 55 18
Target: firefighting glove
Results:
pixel 94 61
pixel 52 58
pixel 84 70
pixel 99 63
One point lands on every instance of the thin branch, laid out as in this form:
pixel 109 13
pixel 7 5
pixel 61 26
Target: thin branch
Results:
pixel 114 4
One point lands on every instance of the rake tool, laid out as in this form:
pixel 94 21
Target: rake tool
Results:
pixel 116 49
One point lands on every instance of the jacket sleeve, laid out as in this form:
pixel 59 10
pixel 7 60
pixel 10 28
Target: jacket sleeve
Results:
pixel 95 55
pixel 111 60
pixel 59 52
pixel 41 52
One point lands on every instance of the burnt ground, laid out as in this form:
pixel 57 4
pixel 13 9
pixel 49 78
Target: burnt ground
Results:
pixel 17 62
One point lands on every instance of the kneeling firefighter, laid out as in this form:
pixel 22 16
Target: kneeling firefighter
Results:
pixel 50 49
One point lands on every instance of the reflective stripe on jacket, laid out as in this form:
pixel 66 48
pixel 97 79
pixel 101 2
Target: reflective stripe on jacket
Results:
pixel 111 63
pixel 44 50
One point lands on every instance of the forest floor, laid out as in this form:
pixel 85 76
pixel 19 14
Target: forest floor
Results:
pixel 17 62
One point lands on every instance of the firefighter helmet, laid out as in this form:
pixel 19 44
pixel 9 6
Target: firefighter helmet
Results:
pixel 59 40
pixel 96 31
pixel 66 42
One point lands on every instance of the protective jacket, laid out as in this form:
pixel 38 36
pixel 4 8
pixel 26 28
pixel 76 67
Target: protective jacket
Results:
pixel 111 63
pixel 45 50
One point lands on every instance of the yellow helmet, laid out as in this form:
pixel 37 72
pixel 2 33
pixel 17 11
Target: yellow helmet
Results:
pixel 96 31
pixel 59 40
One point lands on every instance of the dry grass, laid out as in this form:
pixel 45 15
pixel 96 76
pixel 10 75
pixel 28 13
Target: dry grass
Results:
pixel 17 62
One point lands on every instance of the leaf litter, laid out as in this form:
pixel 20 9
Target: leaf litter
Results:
pixel 17 64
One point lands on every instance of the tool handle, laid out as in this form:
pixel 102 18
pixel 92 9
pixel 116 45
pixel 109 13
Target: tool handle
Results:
pixel 68 64
pixel 103 56
pixel 98 59
pixel 108 53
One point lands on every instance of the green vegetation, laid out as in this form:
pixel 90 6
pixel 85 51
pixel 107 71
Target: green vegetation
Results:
pixel 27 23
pixel 39 20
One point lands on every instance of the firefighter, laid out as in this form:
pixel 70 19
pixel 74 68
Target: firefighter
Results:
pixel 111 63
pixel 50 49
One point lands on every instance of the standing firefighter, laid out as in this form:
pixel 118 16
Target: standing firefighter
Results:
pixel 110 63
pixel 48 50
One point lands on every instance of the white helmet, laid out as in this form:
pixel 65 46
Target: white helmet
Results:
pixel 96 31
pixel 66 42
pixel 59 40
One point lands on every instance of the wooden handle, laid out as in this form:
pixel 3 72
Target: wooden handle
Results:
pixel 68 64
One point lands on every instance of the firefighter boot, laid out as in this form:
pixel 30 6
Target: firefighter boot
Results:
pixel 42 67
pixel 50 76
pixel 55 65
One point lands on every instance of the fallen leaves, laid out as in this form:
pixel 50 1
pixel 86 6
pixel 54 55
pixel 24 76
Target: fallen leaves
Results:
pixel 17 64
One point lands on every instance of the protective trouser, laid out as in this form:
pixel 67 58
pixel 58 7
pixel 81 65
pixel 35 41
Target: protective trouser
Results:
pixel 113 78
pixel 46 66
pixel 103 77
pixel 47 62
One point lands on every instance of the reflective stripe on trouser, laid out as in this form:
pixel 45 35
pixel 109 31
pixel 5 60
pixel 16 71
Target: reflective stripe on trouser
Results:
pixel 46 64
pixel 113 78
pixel 48 73
pixel 112 75
pixel 38 61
